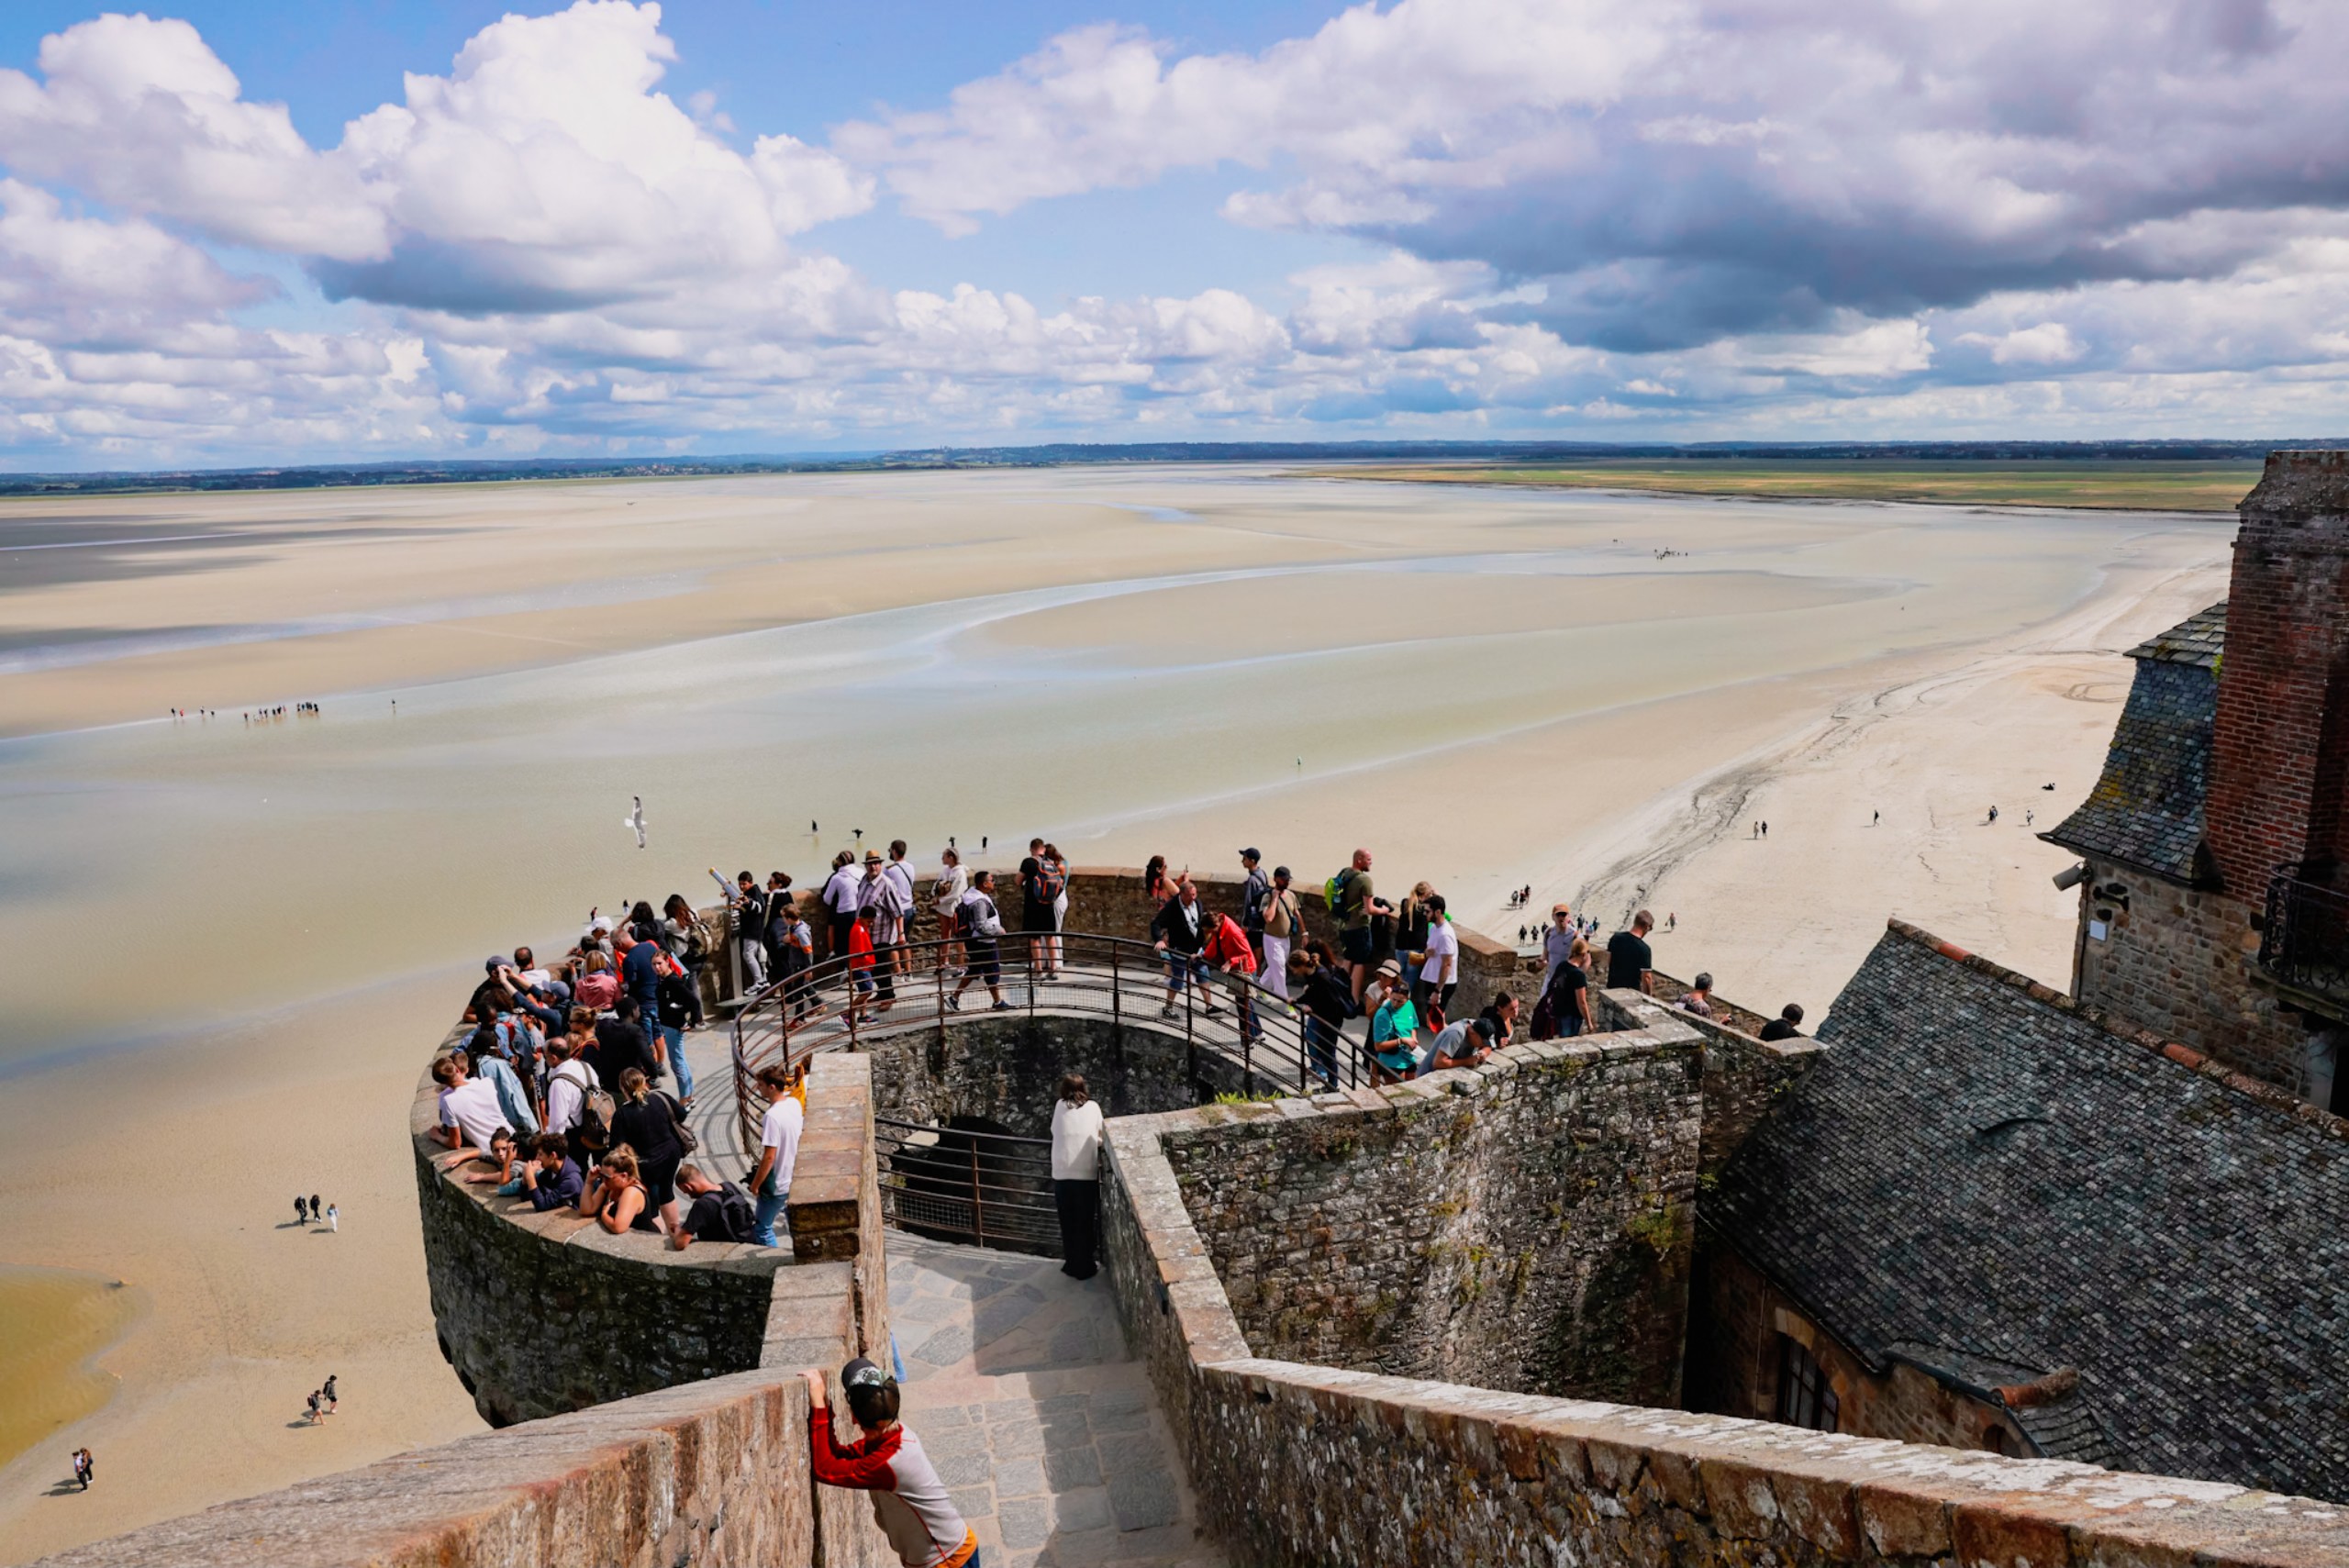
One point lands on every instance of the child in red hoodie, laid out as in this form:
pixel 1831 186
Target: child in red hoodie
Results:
pixel 909 1501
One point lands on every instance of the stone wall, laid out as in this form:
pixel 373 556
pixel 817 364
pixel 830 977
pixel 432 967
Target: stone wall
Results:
pixel 1737 1315
pixel 1304 1465
pixel 543 1313
pixel 1007 1067
pixel 539 1313
pixel 2177 961
pixel 1523 1226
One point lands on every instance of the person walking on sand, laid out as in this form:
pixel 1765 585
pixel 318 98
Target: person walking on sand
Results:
pixel 86 1468
pixel 311 1406
pixel 1992 820
pixel 301 1209
pixel 327 1392
pixel 334 1217
pixel 1077 1177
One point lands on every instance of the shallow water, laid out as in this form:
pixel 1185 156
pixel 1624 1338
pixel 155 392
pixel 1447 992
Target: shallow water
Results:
pixel 58 1321
pixel 214 871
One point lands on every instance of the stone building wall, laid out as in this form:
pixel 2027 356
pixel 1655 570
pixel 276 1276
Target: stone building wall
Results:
pixel 1737 1315
pixel 1301 1466
pixel 2176 962
pixel 1523 1226
pixel 1007 1068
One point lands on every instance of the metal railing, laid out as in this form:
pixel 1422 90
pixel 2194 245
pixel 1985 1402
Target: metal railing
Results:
pixel 2304 938
pixel 968 1183
pixel 1233 1030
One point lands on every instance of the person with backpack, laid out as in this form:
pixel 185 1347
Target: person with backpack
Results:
pixel 1253 892
pixel 980 924
pixel 795 951
pixel 1282 921
pixel 578 1110
pixel 1325 993
pixel 750 906
pixel 780 902
pixel 1353 903
pixel 719 1211
pixel 839 899
pixel 1036 913
pixel 900 875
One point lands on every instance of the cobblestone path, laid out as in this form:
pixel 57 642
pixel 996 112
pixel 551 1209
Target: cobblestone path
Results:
pixel 1018 1381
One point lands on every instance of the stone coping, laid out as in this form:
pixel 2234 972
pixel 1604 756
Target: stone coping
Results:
pixel 567 1227
pixel 1540 1479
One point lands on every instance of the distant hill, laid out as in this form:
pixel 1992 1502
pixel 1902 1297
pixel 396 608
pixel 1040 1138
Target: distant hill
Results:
pixel 323 476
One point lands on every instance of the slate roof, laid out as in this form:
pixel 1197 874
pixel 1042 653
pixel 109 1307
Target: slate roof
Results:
pixel 1975 1163
pixel 2146 809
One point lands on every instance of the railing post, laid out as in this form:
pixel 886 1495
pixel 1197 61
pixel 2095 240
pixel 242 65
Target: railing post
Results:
pixel 1117 991
pixel 978 1208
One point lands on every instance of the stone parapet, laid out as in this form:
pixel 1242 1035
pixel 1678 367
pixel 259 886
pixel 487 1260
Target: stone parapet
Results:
pixel 1305 1465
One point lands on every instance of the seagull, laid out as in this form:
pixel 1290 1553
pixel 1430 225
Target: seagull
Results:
pixel 636 819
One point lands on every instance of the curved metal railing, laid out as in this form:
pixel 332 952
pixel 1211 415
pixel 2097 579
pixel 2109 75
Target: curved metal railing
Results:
pixel 1233 1017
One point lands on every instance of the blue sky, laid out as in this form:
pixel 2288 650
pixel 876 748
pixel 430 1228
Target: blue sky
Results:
pixel 259 231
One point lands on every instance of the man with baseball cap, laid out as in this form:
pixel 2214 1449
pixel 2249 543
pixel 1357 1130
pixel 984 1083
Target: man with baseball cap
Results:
pixel 1557 942
pixel 1251 901
pixel 1280 920
pixel 909 1502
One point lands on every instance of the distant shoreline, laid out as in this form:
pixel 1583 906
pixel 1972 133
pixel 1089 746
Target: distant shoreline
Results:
pixel 2193 489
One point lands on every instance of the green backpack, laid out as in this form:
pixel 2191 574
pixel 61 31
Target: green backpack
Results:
pixel 1333 893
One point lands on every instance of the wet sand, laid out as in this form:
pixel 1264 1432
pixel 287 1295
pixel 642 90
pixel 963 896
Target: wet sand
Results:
pixel 1489 689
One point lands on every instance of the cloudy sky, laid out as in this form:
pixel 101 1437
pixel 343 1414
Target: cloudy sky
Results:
pixel 244 231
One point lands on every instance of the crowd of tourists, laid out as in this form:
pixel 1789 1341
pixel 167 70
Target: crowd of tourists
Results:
pixel 573 1088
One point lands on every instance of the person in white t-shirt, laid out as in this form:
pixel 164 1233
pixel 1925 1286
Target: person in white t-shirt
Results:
pixel 770 1183
pixel 945 898
pixel 569 1082
pixel 1076 1178
pixel 1440 975
pixel 469 1110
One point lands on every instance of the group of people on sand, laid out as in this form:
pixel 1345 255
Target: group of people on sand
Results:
pixel 309 1211
pixel 322 1401
pixel 571 1088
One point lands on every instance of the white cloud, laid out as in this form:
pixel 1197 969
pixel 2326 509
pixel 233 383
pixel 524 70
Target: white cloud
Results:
pixel 2049 343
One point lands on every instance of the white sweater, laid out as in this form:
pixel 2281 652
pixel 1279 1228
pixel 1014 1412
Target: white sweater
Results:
pixel 1077 1142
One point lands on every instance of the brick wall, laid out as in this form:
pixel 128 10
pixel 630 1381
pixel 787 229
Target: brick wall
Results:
pixel 2175 960
pixel 1524 1226
pixel 2276 786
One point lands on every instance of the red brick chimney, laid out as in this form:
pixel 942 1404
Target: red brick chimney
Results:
pixel 2279 769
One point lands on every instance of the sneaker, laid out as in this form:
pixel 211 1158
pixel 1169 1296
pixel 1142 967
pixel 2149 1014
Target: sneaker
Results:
pixel 1002 1008
pixel 1167 1011
pixel 953 1002
pixel 1213 1011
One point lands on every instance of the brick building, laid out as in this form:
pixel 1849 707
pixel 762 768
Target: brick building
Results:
pixel 2214 904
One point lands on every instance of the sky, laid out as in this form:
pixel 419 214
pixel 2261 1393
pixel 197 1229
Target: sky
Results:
pixel 267 231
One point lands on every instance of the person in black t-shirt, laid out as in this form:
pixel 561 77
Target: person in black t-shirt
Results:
pixel 721 1211
pixel 620 1044
pixel 1785 1026
pixel 1629 957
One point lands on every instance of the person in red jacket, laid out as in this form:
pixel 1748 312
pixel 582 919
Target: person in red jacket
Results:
pixel 909 1502
pixel 1226 947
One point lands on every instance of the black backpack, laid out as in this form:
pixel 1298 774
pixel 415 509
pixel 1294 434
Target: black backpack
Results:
pixel 737 1220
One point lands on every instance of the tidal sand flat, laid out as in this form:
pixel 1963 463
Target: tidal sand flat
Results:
pixel 58 1320
pixel 1489 687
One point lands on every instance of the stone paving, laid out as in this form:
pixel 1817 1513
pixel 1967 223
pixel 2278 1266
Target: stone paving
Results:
pixel 1018 1384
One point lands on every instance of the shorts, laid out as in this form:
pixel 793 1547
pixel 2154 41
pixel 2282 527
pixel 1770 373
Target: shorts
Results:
pixel 986 963
pixel 1357 944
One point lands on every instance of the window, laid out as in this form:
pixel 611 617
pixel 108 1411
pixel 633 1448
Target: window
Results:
pixel 1805 1397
